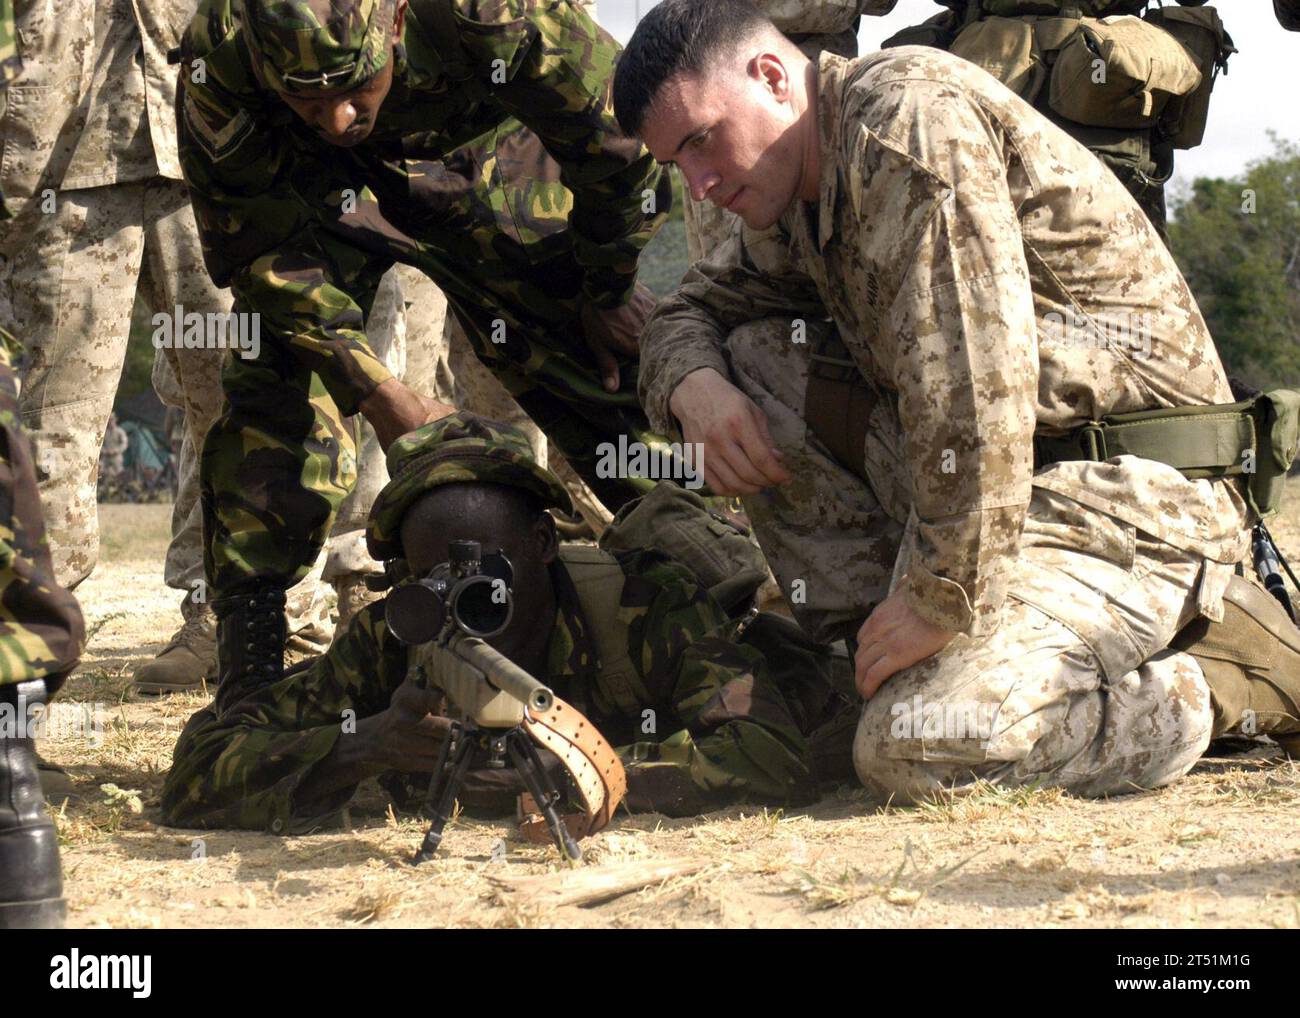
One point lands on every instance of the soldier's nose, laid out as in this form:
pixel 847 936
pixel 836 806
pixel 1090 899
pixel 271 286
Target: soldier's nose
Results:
pixel 701 184
pixel 338 118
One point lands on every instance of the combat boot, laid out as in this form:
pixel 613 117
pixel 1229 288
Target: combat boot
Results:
pixel 251 633
pixel 1251 662
pixel 31 882
pixel 188 660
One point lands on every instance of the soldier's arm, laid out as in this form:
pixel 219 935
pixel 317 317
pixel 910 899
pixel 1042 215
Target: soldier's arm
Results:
pixel 287 755
pixel 269 243
pixel 962 333
pixel 724 730
pixel 748 277
pixel 558 66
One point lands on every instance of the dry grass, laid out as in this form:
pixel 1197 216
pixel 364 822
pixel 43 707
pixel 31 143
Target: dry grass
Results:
pixel 1217 849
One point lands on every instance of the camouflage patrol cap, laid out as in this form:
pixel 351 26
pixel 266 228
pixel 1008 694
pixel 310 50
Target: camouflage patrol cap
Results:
pixel 314 45
pixel 461 448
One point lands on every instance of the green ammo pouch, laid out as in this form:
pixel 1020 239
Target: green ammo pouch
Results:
pixel 1257 439
pixel 1120 72
pixel 1201 32
pixel 679 523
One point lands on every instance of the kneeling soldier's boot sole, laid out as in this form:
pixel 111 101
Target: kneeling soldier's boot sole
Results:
pixel 1251 662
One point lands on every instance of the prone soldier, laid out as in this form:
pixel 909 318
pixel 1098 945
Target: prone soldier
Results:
pixel 702 716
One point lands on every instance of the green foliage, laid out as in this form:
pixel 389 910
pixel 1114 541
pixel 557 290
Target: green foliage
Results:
pixel 137 372
pixel 1238 243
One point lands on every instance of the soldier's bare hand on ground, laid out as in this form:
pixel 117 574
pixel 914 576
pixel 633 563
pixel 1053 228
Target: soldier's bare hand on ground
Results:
pixel 609 332
pixel 409 735
pixel 740 457
pixel 894 637
pixel 394 409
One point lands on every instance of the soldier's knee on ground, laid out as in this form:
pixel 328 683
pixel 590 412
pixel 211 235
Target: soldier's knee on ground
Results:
pixel 893 761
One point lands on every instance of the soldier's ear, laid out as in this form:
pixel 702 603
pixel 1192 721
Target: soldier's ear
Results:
pixel 548 541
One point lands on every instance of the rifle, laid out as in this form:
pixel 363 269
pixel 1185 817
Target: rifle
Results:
pixel 449 614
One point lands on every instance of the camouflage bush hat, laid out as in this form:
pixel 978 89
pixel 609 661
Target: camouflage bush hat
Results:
pixel 308 46
pixel 462 447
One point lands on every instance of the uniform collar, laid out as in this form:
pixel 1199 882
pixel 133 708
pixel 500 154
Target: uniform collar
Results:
pixel 832 70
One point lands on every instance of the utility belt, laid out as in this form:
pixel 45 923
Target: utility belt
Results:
pixel 1256 439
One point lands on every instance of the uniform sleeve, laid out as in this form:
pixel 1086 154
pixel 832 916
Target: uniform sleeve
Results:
pixel 239 764
pixel 264 239
pixel 961 330
pixel 559 78
pixel 725 732
pixel 749 276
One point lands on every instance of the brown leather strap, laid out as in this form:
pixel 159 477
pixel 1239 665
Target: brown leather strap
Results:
pixel 591 762
pixel 838 403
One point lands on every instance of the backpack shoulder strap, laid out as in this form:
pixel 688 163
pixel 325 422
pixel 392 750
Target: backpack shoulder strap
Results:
pixel 599 579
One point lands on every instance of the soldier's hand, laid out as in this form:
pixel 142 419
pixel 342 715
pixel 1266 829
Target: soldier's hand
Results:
pixel 894 637
pixel 612 331
pixel 393 409
pixel 740 457
pixel 408 735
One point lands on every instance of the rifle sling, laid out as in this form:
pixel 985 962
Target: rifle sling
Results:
pixel 591 762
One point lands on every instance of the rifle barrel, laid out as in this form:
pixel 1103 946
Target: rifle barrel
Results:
pixel 503 673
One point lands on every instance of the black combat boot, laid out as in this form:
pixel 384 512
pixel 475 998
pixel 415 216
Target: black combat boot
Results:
pixel 31 882
pixel 251 632
pixel 1251 662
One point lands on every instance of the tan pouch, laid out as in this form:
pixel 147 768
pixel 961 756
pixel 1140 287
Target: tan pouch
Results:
pixel 1005 48
pixel 1207 42
pixel 1120 72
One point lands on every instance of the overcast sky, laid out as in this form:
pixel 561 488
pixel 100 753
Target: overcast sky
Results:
pixel 1260 91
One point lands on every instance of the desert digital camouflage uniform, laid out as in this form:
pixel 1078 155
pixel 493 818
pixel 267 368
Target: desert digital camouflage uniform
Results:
pixel 983 272
pixel 730 716
pixel 815 26
pixel 93 178
pixel 514 240
pixel 41 629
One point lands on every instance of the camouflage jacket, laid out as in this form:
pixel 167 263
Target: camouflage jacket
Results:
pixel 96 103
pixel 725 721
pixel 252 165
pixel 991 279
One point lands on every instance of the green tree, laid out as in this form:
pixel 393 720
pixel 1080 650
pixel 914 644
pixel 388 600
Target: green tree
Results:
pixel 1238 243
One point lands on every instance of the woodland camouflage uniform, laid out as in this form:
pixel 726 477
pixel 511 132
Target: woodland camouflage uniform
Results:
pixel 515 239
pixel 731 716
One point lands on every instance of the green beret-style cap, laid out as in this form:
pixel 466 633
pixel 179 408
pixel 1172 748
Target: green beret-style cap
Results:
pixel 309 46
pixel 457 449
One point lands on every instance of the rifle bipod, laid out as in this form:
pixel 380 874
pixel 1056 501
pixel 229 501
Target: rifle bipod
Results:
pixel 449 775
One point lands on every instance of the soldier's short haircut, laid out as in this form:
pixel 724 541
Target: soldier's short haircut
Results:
pixel 676 37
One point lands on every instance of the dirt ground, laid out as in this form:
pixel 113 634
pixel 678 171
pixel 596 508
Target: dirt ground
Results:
pixel 1219 849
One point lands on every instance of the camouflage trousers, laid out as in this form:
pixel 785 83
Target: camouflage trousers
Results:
pixel 281 458
pixel 41 629
pixel 1075 688
pixel 71 278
